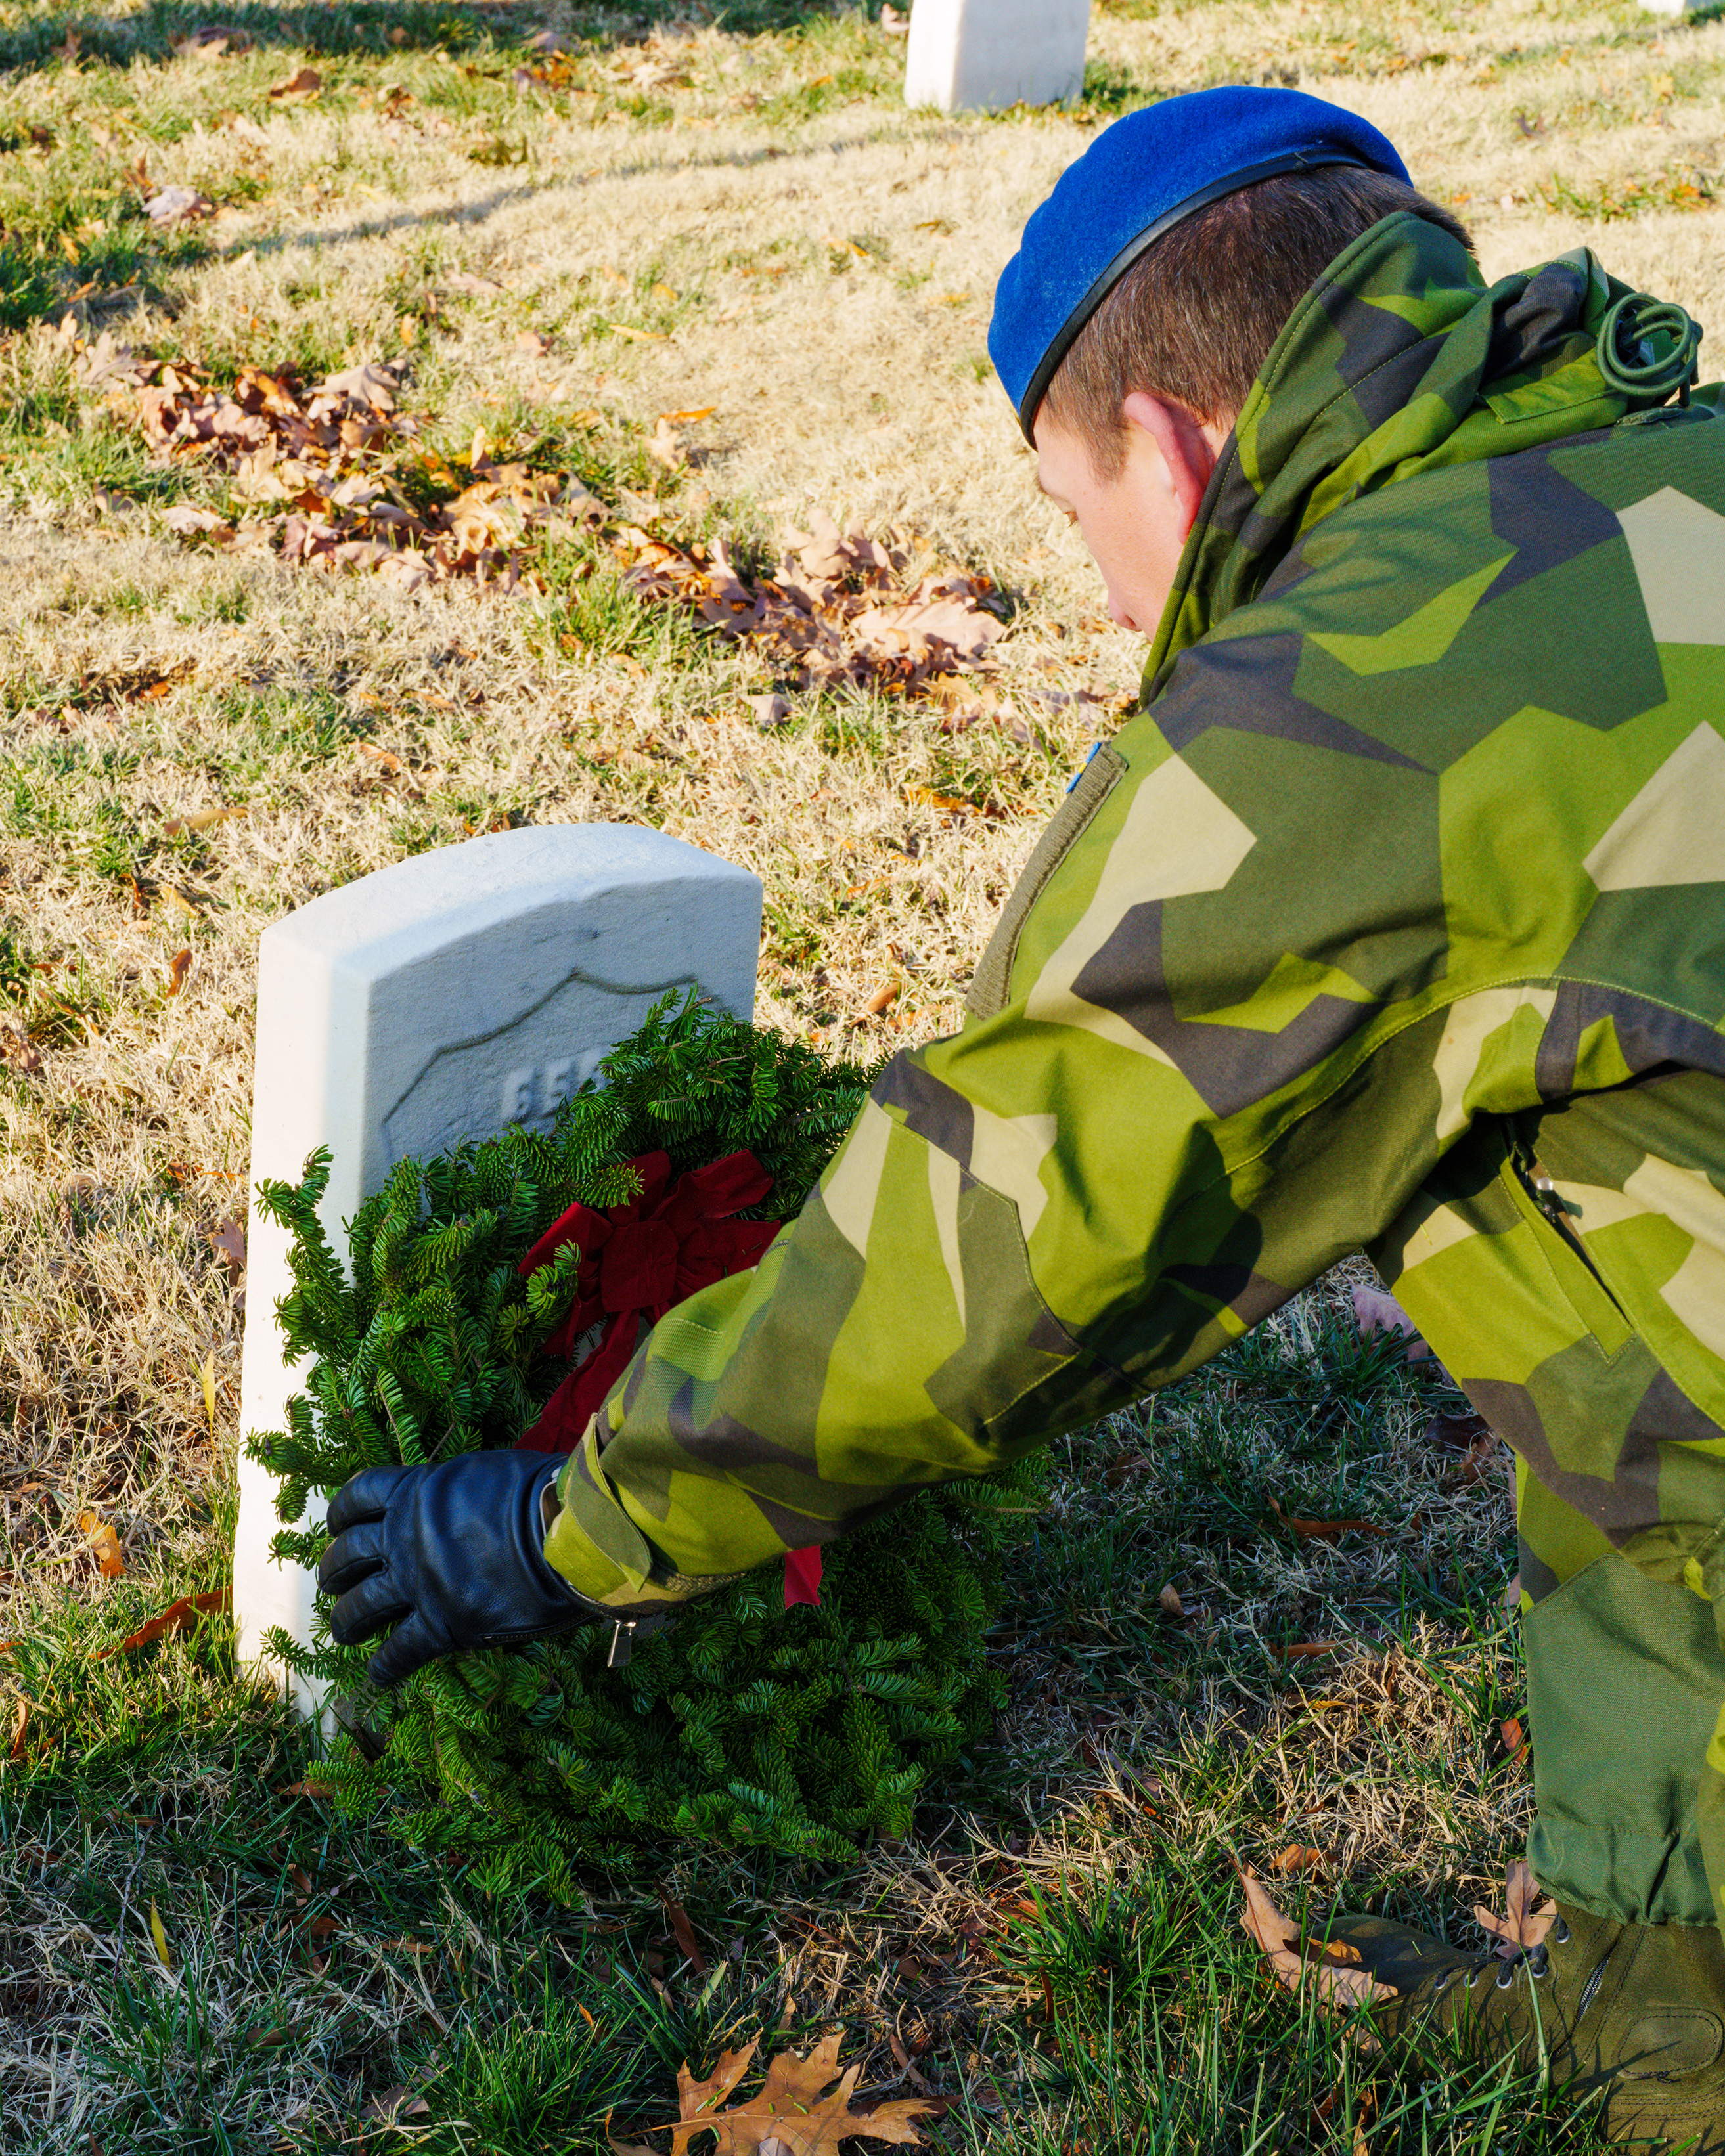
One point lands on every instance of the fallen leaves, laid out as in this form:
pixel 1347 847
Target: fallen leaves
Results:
pixel 211 41
pixel 227 1240
pixel 1330 1968
pixel 347 469
pixel 17 1051
pixel 541 77
pixel 311 1788
pixel 687 1945
pixel 666 445
pixel 190 523
pixel 832 612
pixel 1323 1531
pixel 180 1616
pixel 304 83
pixel 796 2111
pixel 1524 1921
pixel 178 967
pixel 395 2103
pixel 1456 1433
pixel 1376 1310
pixel 658 63
pixel 1298 1856
pixel 1477 1464
pixel 158 1937
pixel 949 804
pixel 1473 1438
pixel 104 1544
pixel 334 458
pixel 384 769
pixel 175 206
pixel 206 819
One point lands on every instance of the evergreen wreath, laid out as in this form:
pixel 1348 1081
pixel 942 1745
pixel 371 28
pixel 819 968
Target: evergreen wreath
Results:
pixel 802 1730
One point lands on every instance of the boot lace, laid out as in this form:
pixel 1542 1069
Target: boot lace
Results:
pixel 1535 1961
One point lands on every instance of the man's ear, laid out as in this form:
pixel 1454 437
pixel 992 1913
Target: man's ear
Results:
pixel 1184 444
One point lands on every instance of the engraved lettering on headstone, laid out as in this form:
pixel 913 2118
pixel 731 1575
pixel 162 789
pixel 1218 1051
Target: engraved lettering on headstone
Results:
pixel 451 1095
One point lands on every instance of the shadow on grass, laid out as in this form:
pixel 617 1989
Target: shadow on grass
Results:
pixel 63 33
pixel 37 288
pixel 486 206
pixel 211 1961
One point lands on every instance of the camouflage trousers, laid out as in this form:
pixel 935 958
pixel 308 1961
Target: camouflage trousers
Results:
pixel 1559 1337
pixel 1626 1701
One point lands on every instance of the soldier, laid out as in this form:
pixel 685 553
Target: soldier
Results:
pixel 1394 921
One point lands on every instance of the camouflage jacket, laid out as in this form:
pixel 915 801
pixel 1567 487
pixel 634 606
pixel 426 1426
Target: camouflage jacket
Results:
pixel 1393 920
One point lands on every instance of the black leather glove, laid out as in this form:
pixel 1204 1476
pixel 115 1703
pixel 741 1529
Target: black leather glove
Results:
pixel 452 1556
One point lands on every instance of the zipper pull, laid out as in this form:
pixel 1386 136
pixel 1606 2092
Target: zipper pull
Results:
pixel 1545 1191
pixel 622 1644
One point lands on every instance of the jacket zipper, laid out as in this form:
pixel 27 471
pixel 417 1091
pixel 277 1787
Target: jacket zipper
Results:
pixel 1543 1192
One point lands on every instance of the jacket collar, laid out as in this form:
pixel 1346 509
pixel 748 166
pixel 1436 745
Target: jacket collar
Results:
pixel 1400 359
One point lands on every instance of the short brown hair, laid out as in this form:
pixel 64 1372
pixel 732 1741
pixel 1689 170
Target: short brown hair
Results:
pixel 1194 318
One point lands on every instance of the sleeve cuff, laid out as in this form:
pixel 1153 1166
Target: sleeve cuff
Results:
pixel 596 1548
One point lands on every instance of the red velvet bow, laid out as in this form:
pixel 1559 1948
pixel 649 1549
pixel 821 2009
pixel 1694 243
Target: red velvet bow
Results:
pixel 637 1261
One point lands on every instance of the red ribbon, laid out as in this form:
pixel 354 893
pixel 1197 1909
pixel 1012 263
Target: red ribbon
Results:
pixel 802 1575
pixel 637 1261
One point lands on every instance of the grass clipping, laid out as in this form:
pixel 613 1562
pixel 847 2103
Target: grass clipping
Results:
pixel 806 1731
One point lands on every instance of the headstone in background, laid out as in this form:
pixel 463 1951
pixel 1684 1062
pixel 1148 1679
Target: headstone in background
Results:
pixel 983 55
pixel 441 1000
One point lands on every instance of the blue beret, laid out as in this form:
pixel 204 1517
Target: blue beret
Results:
pixel 1138 177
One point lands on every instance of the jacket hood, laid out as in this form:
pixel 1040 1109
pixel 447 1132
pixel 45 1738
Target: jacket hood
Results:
pixel 1399 360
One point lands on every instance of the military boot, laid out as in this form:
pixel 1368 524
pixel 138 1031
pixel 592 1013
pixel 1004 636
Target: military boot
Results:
pixel 1632 2015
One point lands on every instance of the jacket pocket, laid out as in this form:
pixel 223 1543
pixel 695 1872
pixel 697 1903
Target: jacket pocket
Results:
pixel 1573 1271
pixel 992 985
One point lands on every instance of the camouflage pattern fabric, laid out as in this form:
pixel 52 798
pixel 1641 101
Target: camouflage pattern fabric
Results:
pixel 1395 919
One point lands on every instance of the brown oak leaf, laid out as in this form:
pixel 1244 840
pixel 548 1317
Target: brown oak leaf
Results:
pixel 797 2108
pixel 1522 1925
pixel 1330 1968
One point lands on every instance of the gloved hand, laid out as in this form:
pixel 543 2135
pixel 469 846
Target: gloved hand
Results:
pixel 452 1556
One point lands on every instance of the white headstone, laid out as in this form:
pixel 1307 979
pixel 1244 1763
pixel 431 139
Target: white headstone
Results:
pixel 441 1000
pixel 983 55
